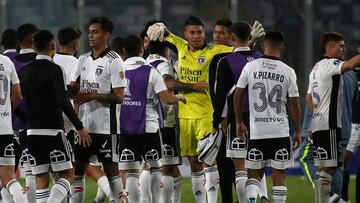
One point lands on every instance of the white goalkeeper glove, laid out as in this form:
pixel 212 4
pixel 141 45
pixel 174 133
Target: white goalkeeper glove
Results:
pixel 257 31
pixel 156 32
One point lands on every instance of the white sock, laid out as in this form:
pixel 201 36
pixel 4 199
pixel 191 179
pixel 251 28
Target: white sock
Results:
pixel 279 194
pixel 198 188
pixel 59 191
pixel 116 189
pixel 177 190
pixel 6 196
pixel 78 190
pixel 155 179
pixel 100 195
pixel 240 181
pixel 263 188
pixel 132 187
pixel 42 195
pixel 144 182
pixel 252 189
pixel 30 186
pixel 212 183
pixel 324 184
pixel 167 188
pixel 16 191
pixel 103 189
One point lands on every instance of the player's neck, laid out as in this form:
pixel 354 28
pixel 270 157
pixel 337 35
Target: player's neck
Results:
pixel 273 53
pixel 98 50
pixel 241 44
pixel 67 50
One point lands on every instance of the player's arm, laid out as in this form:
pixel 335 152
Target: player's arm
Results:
pixel 169 98
pixel 295 114
pixel 241 130
pixel 16 96
pixel 74 86
pixel 176 85
pixel 224 83
pixel 309 102
pixel 161 89
pixel 350 64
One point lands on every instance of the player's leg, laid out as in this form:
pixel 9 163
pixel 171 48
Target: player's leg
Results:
pixel 106 153
pixel 144 182
pixel 253 184
pixel 241 177
pixel 7 171
pixel 279 190
pixel 188 145
pixel 95 171
pixel 170 171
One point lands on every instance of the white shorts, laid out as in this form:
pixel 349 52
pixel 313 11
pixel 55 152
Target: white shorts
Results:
pixel 354 141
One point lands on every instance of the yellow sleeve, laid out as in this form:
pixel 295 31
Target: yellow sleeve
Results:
pixel 175 40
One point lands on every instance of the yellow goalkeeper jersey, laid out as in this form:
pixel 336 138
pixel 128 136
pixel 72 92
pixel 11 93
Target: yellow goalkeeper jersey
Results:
pixel 194 67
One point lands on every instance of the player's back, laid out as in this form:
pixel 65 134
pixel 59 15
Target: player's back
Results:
pixel 270 82
pixel 68 63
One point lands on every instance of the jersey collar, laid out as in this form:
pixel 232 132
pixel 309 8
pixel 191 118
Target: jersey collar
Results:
pixel 9 51
pixel 44 57
pixel 103 53
pixel 242 49
pixel 25 51
pixel 154 57
pixel 271 57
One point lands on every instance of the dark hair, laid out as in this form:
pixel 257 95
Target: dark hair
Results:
pixel 106 24
pixel 42 39
pixel 8 39
pixel 275 38
pixel 147 25
pixel 330 36
pixel 242 30
pixel 117 45
pixel 67 35
pixel 224 22
pixel 194 20
pixel 157 47
pixel 133 45
pixel 25 30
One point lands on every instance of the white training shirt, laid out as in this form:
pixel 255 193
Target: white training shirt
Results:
pixel 68 64
pixel 99 75
pixel 7 76
pixel 165 68
pixel 270 82
pixel 325 87
pixel 155 85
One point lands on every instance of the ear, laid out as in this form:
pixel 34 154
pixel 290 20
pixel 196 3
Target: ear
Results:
pixel 233 37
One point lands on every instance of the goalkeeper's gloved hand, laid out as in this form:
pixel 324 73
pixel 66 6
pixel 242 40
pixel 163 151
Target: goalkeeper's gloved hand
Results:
pixel 156 32
pixel 257 31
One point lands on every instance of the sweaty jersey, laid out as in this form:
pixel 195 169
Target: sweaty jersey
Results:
pixel 193 67
pixel 326 89
pixel 270 82
pixel 8 76
pixel 99 75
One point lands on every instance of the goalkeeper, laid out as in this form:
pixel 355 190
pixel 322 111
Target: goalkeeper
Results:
pixel 197 140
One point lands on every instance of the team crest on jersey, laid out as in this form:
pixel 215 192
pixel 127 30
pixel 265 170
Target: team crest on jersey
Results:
pixel 122 74
pixel 99 71
pixel 201 60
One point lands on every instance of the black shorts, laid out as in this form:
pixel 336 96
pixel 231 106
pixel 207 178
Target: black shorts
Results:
pixel 20 142
pixel 236 148
pixel 278 154
pixel 49 152
pixel 171 146
pixel 135 148
pixel 104 146
pixel 327 147
pixel 7 150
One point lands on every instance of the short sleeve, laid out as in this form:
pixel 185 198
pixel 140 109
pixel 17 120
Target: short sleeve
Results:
pixel 117 72
pixel 310 88
pixel 165 68
pixel 293 90
pixel 76 72
pixel 333 67
pixel 157 81
pixel 244 77
pixel 14 76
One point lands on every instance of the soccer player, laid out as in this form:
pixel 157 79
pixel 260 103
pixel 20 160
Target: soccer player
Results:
pixel 117 45
pixel 99 82
pixel 222 32
pixel 228 72
pixel 171 179
pixel 271 85
pixel 42 85
pixel 139 119
pixel 25 34
pixel 10 98
pixel 324 96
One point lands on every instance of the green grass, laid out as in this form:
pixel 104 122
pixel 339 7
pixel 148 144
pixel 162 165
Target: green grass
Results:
pixel 299 191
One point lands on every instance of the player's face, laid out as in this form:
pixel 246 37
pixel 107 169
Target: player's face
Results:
pixel 195 35
pixel 97 36
pixel 338 49
pixel 221 35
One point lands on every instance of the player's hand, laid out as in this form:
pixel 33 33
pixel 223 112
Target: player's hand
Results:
pixel 257 31
pixel 309 132
pixel 84 138
pixel 241 131
pixel 181 98
pixel 224 125
pixel 156 32
pixel 200 86
pixel 297 140
pixel 83 98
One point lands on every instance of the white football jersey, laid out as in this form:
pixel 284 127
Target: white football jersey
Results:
pixel 68 64
pixel 8 76
pixel 99 75
pixel 325 87
pixel 270 82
